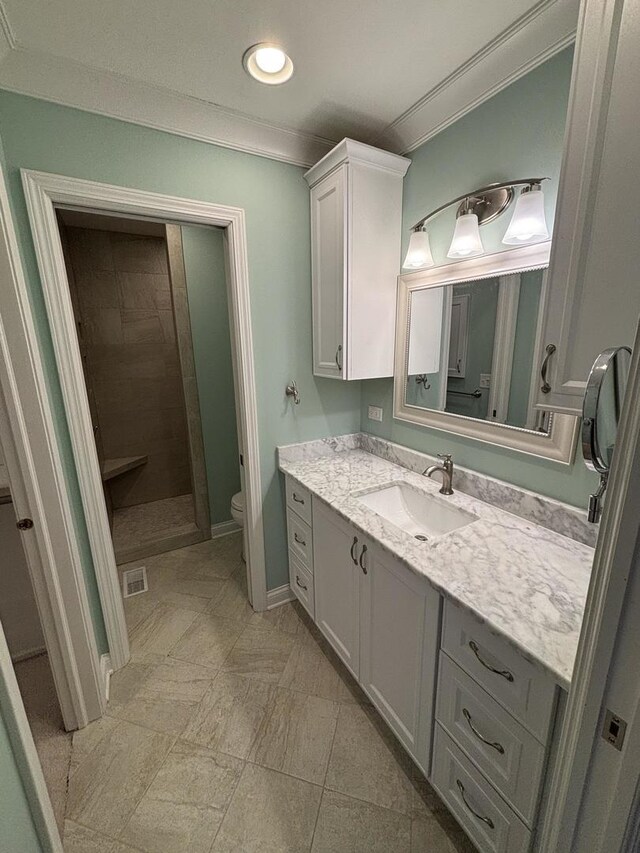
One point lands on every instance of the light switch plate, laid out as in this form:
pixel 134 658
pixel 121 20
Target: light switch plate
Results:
pixel 485 380
pixel 375 413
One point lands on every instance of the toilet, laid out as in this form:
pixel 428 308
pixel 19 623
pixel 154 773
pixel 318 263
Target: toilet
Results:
pixel 237 514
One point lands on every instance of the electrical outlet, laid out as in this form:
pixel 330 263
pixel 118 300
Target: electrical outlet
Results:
pixel 375 413
pixel 485 380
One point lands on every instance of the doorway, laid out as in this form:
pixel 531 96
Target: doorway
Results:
pixel 46 194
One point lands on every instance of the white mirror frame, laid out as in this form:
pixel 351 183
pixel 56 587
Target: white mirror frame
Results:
pixel 560 442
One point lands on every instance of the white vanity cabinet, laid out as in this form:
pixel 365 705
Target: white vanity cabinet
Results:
pixel 383 621
pixel 356 215
pixel 336 549
pixel 399 635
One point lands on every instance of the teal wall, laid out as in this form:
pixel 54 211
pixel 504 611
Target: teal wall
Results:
pixel 48 137
pixel 17 831
pixel 519 132
pixel 204 254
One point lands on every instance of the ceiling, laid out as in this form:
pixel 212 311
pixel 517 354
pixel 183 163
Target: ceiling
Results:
pixel 361 68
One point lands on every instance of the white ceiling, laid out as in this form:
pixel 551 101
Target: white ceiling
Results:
pixel 359 66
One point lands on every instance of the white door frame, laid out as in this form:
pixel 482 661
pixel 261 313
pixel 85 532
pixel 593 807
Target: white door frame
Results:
pixel 39 492
pixel 43 192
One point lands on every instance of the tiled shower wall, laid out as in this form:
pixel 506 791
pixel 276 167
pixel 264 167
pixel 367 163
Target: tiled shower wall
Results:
pixel 124 301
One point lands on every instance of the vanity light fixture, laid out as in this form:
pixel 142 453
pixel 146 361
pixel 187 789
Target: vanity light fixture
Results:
pixel 268 63
pixel 477 208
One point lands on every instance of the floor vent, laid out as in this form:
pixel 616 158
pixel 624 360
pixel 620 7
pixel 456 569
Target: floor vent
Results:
pixel 134 581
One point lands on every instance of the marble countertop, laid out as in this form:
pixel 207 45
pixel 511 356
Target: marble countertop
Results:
pixel 527 583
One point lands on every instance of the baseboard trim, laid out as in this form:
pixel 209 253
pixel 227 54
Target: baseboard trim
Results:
pixel 224 528
pixel 279 595
pixel 35 652
pixel 106 670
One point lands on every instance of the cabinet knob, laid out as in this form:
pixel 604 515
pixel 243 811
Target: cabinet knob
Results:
pixel 24 524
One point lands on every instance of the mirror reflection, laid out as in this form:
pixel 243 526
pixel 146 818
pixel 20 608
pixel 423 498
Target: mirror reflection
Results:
pixel 472 347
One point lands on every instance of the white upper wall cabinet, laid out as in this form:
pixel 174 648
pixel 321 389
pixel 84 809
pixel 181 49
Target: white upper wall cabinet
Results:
pixel 356 220
pixel 592 304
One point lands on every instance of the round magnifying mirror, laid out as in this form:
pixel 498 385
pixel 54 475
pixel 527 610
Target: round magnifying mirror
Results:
pixel 601 411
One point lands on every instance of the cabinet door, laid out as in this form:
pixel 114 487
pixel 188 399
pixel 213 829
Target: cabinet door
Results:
pixel 328 266
pixel 593 297
pixel 399 627
pixel 336 579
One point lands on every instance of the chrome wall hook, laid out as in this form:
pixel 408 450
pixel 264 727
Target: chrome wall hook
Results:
pixel 292 391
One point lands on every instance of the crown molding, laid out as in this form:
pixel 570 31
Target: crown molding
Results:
pixel 545 30
pixel 72 84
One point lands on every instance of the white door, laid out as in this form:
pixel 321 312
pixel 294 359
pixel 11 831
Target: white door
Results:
pixel 399 626
pixel 328 269
pixel 336 547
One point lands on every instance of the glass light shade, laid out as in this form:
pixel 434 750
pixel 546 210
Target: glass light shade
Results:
pixel 528 223
pixel 466 242
pixel 419 252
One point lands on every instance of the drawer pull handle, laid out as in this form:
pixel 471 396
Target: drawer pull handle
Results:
pixel 486 820
pixel 353 546
pixel 301 585
pixel 299 540
pixel 362 553
pixel 297 499
pixel 503 672
pixel 339 358
pixel 497 746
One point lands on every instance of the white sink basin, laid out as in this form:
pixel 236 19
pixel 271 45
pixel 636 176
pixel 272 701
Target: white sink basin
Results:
pixel 422 516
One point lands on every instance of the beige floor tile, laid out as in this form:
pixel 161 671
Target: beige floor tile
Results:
pixel 126 683
pixel 261 653
pixel 230 715
pixel 296 736
pixel 232 603
pixel 311 671
pixel 185 803
pixel 107 786
pixel 157 635
pixel 85 740
pixel 218 558
pixel 79 839
pixel 137 608
pixel 432 836
pixel 269 813
pixel 167 697
pixel 364 764
pixel 285 618
pixel 208 641
pixel 345 824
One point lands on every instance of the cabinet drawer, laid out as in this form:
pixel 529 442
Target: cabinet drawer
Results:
pixel 301 582
pixel 508 755
pixel 489 822
pixel 298 499
pixel 518 685
pixel 300 540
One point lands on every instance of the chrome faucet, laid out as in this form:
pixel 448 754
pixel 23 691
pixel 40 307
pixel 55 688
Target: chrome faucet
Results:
pixel 446 469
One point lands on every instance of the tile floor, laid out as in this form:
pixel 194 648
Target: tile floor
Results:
pixel 231 730
pixel 135 524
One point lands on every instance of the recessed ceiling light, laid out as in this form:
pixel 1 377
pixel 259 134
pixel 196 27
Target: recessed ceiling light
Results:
pixel 268 63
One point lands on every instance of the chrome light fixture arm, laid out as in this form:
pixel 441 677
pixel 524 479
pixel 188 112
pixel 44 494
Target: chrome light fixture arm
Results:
pixel 478 195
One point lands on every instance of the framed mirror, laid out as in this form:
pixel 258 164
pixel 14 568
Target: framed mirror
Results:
pixel 469 352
